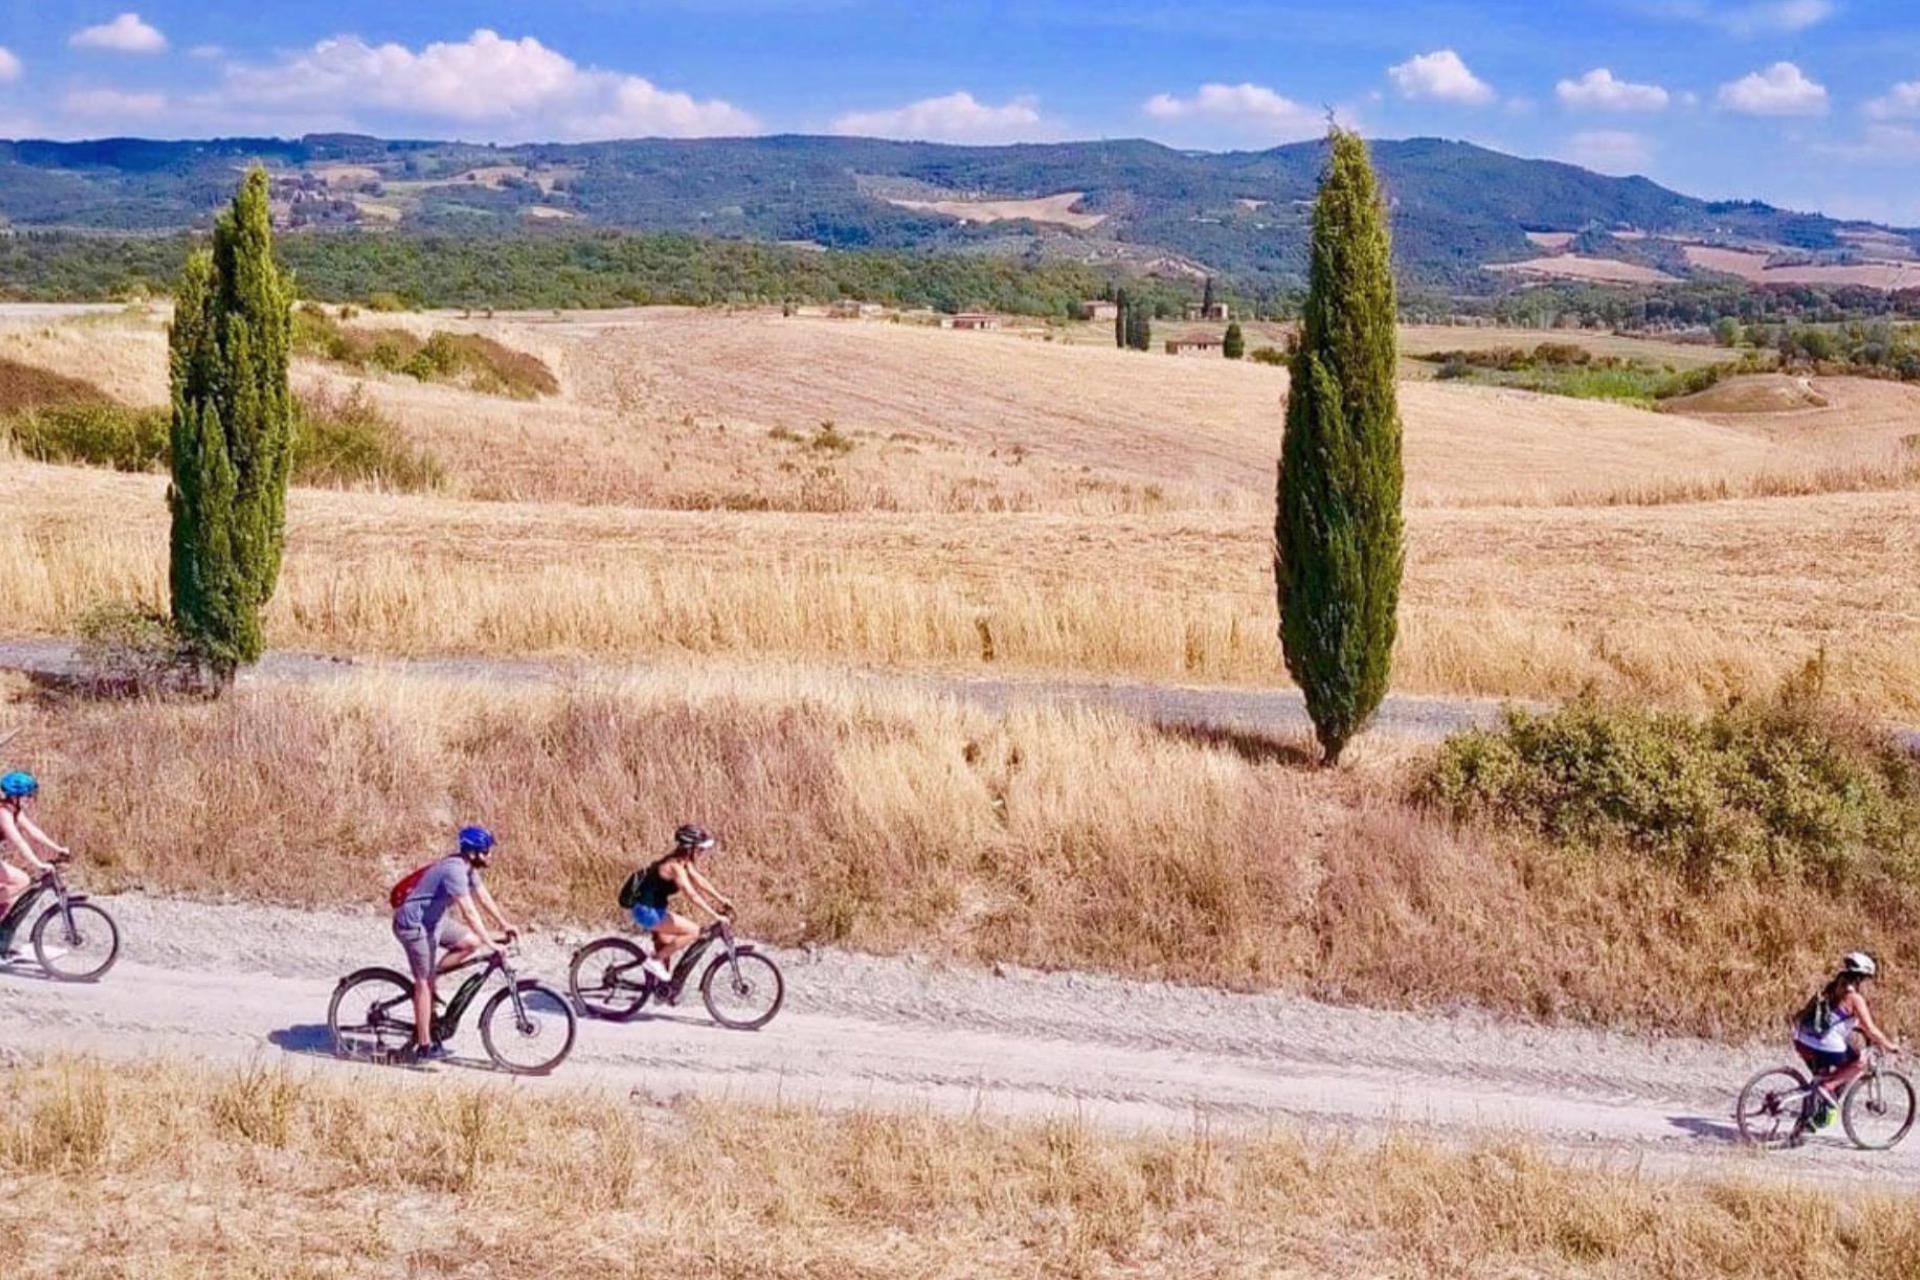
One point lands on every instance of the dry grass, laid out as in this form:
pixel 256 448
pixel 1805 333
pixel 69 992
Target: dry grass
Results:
pixel 1685 603
pixel 159 1171
pixel 1056 837
pixel 1573 266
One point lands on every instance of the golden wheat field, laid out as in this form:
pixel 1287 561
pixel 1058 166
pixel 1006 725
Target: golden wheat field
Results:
pixel 986 499
pixel 162 1171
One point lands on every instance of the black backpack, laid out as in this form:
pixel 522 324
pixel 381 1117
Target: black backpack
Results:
pixel 1817 1016
pixel 630 891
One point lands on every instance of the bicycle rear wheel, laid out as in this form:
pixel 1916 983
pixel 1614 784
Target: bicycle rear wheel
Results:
pixel 82 953
pixel 1772 1109
pixel 743 992
pixel 1878 1110
pixel 371 1015
pixel 534 1038
pixel 607 980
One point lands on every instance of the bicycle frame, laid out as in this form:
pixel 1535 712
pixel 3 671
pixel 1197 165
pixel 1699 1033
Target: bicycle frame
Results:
pixel 446 1021
pixel 17 915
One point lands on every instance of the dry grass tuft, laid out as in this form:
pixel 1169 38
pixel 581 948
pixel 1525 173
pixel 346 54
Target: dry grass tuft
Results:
pixel 377 1179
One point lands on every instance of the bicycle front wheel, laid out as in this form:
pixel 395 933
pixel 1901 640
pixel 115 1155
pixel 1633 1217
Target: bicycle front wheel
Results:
pixel 1878 1110
pixel 743 991
pixel 607 980
pixel 80 948
pixel 1772 1110
pixel 529 1036
pixel 371 1015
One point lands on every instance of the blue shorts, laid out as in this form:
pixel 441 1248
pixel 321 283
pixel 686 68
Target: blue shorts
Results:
pixel 649 918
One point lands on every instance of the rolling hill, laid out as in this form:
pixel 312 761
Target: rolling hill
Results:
pixel 1457 208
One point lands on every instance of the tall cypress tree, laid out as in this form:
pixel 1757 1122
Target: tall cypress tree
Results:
pixel 232 433
pixel 1338 548
pixel 1206 300
pixel 1120 332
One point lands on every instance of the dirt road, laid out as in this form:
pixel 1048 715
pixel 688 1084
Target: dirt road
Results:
pixel 243 982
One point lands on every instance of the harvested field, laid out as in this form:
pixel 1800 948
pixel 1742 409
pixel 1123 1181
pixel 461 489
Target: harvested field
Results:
pixel 1573 266
pixel 1682 601
pixel 1752 266
pixel 1557 241
pixel 1056 209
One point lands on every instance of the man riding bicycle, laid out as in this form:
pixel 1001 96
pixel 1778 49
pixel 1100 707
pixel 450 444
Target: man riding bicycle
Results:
pixel 646 892
pixel 1823 1032
pixel 17 793
pixel 451 885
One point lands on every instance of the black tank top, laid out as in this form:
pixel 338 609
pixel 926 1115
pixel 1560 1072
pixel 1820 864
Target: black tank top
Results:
pixel 655 888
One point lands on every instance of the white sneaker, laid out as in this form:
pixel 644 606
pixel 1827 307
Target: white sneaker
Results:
pixel 656 970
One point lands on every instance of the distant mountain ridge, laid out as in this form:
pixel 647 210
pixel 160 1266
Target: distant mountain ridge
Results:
pixel 1245 215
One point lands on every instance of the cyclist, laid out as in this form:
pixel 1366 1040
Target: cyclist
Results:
pixel 17 792
pixel 1823 1031
pixel 450 885
pixel 646 893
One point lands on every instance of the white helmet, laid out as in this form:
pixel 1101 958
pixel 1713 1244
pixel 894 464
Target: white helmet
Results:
pixel 1859 962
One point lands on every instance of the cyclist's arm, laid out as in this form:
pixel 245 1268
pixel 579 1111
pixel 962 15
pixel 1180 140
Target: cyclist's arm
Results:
pixel 11 831
pixel 698 887
pixel 33 829
pixel 1868 1025
pixel 489 907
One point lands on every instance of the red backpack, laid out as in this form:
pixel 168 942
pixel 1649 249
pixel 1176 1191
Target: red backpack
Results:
pixel 398 894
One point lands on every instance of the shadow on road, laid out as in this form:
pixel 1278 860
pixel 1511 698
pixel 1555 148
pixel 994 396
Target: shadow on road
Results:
pixel 1701 1127
pixel 309 1037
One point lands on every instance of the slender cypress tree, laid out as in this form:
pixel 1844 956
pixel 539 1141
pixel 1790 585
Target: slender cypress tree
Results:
pixel 1206 300
pixel 1338 549
pixel 1140 328
pixel 232 433
pixel 1234 344
pixel 1120 331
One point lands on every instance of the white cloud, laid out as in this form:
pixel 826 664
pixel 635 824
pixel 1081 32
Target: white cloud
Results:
pixel 125 34
pixel 1898 103
pixel 504 89
pixel 10 67
pixel 956 117
pixel 1598 90
pixel 1762 17
pixel 1249 107
pixel 1442 77
pixel 207 51
pixel 1878 144
pixel 113 104
pixel 1610 151
pixel 1781 90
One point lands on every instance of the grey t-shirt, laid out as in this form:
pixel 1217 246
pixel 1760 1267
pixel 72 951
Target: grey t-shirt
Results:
pixel 447 880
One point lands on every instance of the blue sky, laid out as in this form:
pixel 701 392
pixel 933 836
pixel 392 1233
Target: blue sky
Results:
pixel 1808 103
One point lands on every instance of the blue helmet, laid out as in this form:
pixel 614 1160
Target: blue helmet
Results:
pixel 18 785
pixel 476 840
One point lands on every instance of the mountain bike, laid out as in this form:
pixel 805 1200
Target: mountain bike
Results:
pixel 741 987
pixel 73 940
pixel 528 1027
pixel 1877 1109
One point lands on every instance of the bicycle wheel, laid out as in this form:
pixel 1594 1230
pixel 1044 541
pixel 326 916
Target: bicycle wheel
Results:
pixel 535 1038
pixel 82 953
pixel 1877 1110
pixel 743 993
pixel 607 981
pixel 1772 1110
pixel 371 1015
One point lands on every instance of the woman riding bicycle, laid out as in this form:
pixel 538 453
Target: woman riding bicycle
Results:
pixel 1824 1028
pixel 17 792
pixel 646 892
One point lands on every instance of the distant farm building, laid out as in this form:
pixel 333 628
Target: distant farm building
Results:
pixel 1218 311
pixel 974 320
pixel 1100 309
pixel 1196 346
pixel 848 310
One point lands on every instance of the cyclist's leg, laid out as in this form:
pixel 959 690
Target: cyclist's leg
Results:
pixel 13 883
pixel 671 936
pixel 417 942
pixel 456 945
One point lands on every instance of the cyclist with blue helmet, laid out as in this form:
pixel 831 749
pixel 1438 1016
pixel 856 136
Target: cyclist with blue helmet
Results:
pixel 17 792
pixel 441 921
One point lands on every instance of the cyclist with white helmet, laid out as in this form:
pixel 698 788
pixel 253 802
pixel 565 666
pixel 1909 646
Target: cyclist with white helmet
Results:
pixel 1824 1030
pixel 449 890
pixel 646 892
pixel 17 792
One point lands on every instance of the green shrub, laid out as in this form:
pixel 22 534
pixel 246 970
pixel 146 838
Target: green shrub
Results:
pixel 1784 787
pixel 1268 355
pixel 127 650
pixel 340 442
pixel 98 435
